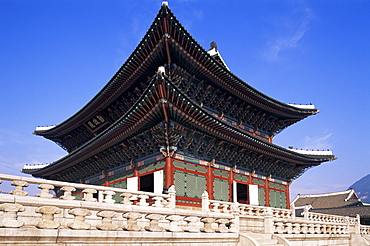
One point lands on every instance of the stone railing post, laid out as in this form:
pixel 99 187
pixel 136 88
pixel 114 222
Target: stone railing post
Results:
pixel 132 218
pixel 235 225
pixel 19 185
pixel 292 208
pixel 268 221
pixel 205 202
pixel 107 224
pixel 79 220
pixel 45 190
pixel 10 217
pixel 89 195
pixel 172 192
pixel 142 200
pixel 193 224
pixel 154 222
pixel 358 225
pixel 108 196
pixel 48 217
pixel 67 193
pixel 126 198
pixel 305 212
pixel 158 202
pixel 174 223
pixel 208 225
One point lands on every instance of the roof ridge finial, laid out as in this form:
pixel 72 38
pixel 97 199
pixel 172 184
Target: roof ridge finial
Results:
pixel 165 3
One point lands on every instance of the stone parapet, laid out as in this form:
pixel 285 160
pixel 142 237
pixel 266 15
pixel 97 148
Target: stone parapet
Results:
pixel 149 218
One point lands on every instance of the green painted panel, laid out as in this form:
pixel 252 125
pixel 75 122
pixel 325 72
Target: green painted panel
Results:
pixel 258 182
pixel 277 186
pixel 189 184
pixel 220 173
pixel 221 190
pixel 277 199
pixel 241 178
pixel 261 196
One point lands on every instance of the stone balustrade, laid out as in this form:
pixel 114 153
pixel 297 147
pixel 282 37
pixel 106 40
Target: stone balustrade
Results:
pixel 138 211
pixel 364 230
pixel 145 211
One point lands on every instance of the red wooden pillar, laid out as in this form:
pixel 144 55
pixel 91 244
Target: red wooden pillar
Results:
pixel 210 182
pixel 267 193
pixel 231 187
pixel 169 173
pixel 287 197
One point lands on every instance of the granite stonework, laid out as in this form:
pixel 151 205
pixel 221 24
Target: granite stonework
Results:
pixel 144 218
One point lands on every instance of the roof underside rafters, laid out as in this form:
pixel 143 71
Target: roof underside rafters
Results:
pixel 191 130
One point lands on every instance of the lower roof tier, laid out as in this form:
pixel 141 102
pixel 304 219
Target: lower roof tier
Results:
pixel 165 119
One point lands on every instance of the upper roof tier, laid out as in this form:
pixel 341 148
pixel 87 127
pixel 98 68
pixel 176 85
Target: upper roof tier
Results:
pixel 209 83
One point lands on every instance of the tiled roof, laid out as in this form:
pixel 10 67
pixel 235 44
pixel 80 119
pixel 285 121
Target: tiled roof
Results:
pixel 343 203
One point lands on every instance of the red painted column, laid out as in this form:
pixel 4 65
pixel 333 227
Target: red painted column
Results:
pixel 169 173
pixel 231 179
pixel 287 197
pixel 210 182
pixel 267 193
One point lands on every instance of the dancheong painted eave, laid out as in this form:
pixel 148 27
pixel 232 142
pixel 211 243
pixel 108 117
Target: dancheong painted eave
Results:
pixel 168 43
pixel 186 117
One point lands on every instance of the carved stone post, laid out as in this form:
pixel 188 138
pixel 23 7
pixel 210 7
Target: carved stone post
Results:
pixel 68 193
pixel 215 206
pixel 305 211
pixel 48 217
pixel 45 190
pixel 222 225
pixel 358 225
pixel 108 195
pixel 235 223
pixel 279 227
pixel 10 217
pixel 132 218
pixel 19 185
pixel 172 202
pixel 268 221
pixel 205 201
pixel 126 198
pixel 79 219
pixel 174 224
pixel 142 200
pixel 154 219
pixel 158 202
pixel 208 224
pixel 89 195
pixel 192 224
pixel 107 224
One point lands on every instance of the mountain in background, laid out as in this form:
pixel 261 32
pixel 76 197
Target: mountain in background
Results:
pixel 362 188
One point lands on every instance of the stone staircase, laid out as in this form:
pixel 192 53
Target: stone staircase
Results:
pixel 259 239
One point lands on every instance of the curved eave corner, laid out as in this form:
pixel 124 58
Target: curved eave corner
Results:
pixel 319 155
pixel 33 168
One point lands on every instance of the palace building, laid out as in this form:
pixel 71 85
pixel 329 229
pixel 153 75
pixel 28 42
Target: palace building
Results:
pixel 174 114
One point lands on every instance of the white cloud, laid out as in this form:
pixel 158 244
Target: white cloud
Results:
pixel 321 142
pixel 297 26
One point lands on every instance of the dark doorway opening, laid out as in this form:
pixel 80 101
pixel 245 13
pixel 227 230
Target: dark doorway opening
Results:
pixel 147 183
pixel 242 193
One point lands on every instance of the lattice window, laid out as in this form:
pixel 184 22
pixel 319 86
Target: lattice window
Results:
pixel 261 196
pixel 221 190
pixel 277 199
pixel 189 184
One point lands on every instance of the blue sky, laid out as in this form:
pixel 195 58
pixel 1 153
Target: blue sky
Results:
pixel 56 55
